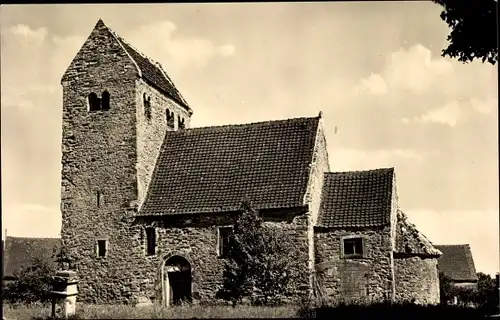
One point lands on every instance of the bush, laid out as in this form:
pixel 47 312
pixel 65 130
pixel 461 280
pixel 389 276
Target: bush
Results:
pixel 32 285
pixel 389 311
pixel 484 298
pixel 263 262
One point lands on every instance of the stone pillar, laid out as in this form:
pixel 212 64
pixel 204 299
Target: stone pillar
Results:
pixel 64 293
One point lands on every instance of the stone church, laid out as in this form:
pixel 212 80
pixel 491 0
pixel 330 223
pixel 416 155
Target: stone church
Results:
pixel 147 201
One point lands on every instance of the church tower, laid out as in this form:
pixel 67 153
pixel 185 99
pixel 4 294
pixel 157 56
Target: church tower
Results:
pixel 117 106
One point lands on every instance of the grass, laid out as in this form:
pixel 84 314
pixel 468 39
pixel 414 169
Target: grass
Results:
pixel 87 311
pixel 385 311
pixel 394 311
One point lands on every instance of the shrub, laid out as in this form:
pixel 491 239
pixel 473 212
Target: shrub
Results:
pixel 263 263
pixel 485 297
pixel 32 285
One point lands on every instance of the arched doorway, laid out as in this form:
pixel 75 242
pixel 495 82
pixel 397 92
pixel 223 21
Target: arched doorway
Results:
pixel 177 280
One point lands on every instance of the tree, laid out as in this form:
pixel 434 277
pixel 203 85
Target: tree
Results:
pixel 486 296
pixel 447 290
pixel 263 261
pixel 473 27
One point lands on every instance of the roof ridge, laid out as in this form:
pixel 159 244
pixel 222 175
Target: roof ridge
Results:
pixel 155 64
pixel 165 74
pixel 360 171
pixel 132 46
pixel 241 125
pixel 453 245
pixel 140 52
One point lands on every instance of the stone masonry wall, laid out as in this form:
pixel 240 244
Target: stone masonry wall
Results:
pixel 196 240
pixel 151 132
pixel 368 278
pixel 99 157
pixel 320 165
pixel 417 280
pixel 394 221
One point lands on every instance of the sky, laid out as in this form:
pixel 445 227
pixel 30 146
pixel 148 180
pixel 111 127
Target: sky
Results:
pixel 373 68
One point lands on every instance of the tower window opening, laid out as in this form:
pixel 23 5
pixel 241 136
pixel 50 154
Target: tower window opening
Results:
pixel 181 123
pixel 94 102
pixel 105 100
pixel 170 118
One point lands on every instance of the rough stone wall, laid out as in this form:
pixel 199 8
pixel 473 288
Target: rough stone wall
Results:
pixel 99 154
pixel 151 132
pixel 466 285
pixel 394 222
pixel 368 278
pixel 320 165
pixel 195 239
pixel 417 280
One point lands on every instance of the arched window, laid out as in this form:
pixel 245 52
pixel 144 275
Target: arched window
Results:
pixel 170 118
pixel 105 100
pixel 94 103
pixel 180 122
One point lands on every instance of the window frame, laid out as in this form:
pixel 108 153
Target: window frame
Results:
pixel 353 239
pixel 106 247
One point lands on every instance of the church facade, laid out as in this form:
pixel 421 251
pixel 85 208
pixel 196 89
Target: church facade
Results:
pixel 147 200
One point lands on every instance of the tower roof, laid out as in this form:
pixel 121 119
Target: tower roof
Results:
pixel 153 73
pixel 213 169
pixel 150 71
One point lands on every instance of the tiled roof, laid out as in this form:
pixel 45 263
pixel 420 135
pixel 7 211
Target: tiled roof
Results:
pixel 356 199
pixel 213 169
pixel 457 262
pixel 21 252
pixel 410 241
pixel 152 72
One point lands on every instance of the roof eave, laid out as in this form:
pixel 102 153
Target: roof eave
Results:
pixel 148 214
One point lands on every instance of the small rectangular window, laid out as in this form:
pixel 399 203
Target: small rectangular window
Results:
pixel 150 241
pixel 102 248
pixel 353 247
pixel 224 234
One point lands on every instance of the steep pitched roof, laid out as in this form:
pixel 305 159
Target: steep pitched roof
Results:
pixel 457 262
pixel 356 199
pixel 213 169
pixel 410 241
pixel 151 71
pixel 20 252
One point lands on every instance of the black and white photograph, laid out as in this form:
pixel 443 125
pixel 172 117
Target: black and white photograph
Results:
pixel 250 160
